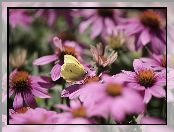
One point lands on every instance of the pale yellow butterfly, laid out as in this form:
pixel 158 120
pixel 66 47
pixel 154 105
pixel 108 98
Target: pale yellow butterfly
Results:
pixel 72 69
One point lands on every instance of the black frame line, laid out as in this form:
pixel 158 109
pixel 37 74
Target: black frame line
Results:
pixel 8 30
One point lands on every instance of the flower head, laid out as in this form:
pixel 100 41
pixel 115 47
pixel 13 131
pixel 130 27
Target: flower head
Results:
pixel 26 87
pixel 35 116
pixel 76 112
pixel 102 21
pixel 145 78
pixel 19 17
pixel 102 56
pixel 68 48
pixel 148 28
pixel 113 99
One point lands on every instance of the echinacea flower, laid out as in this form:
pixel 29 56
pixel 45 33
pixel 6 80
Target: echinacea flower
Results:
pixel 148 28
pixel 19 17
pixel 112 98
pixel 157 62
pixel 146 79
pixel 102 21
pixel 68 48
pixel 26 87
pixel 102 56
pixel 77 113
pixel 35 116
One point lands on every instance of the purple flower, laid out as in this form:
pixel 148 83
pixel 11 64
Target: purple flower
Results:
pixel 157 62
pixel 19 17
pixel 52 15
pixel 76 113
pixel 26 87
pixel 35 116
pixel 147 28
pixel 102 21
pixel 111 98
pixel 146 79
pixel 69 47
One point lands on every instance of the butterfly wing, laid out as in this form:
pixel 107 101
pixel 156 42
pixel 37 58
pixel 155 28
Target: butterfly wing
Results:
pixel 72 71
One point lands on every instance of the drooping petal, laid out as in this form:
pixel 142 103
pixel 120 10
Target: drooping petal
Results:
pixel 42 81
pixel 40 92
pixel 147 96
pixel 55 72
pixel 45 59
pixel 58 43
pixel 85 24
pixel 18 101
pixel 145 37
pixel 29 99
pixel 158 91
pixel 66 92
pixel 97 27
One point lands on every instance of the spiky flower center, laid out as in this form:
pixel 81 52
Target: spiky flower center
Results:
pixel 90 79
pixel 68 50
pixel 79 112
pixel 114 89
pixel 105 12
pixel 150 19
pixel 22 110
pixel 20 80
pixel 163 61
pixel 146 77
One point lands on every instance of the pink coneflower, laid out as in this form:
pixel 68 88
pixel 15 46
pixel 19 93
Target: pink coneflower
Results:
pixel 148 28
pixel 102 56
pixel 157 62
pixel 76 113
pixel 19 17
pixel 146 79
pixel 102 21
pixel 68 48
pixel 26 87
pixel 111 98
pixel 35 116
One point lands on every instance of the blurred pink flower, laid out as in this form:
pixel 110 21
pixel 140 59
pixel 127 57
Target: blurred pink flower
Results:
pixel 52 15
pixel 19 17
pixel 102 21
pixel 147 28
pixel 35 116
pixel 151 120
pixel 146 79
pixel 111 98
pixel 69 47
pixel 26 87
pixel 157 62
pixel 76 113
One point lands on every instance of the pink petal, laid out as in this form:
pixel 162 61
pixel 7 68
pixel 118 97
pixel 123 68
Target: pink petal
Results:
pixel 145 37
pixel 63 107
pixel 29 99
pixel 97 27
pixel 18 101
pixel 58 43
pixel 55 72
pixel 109 24
pixel 85 24
pixel 40 92
pixel 45 59
pixel 147 96
pixel 158 91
